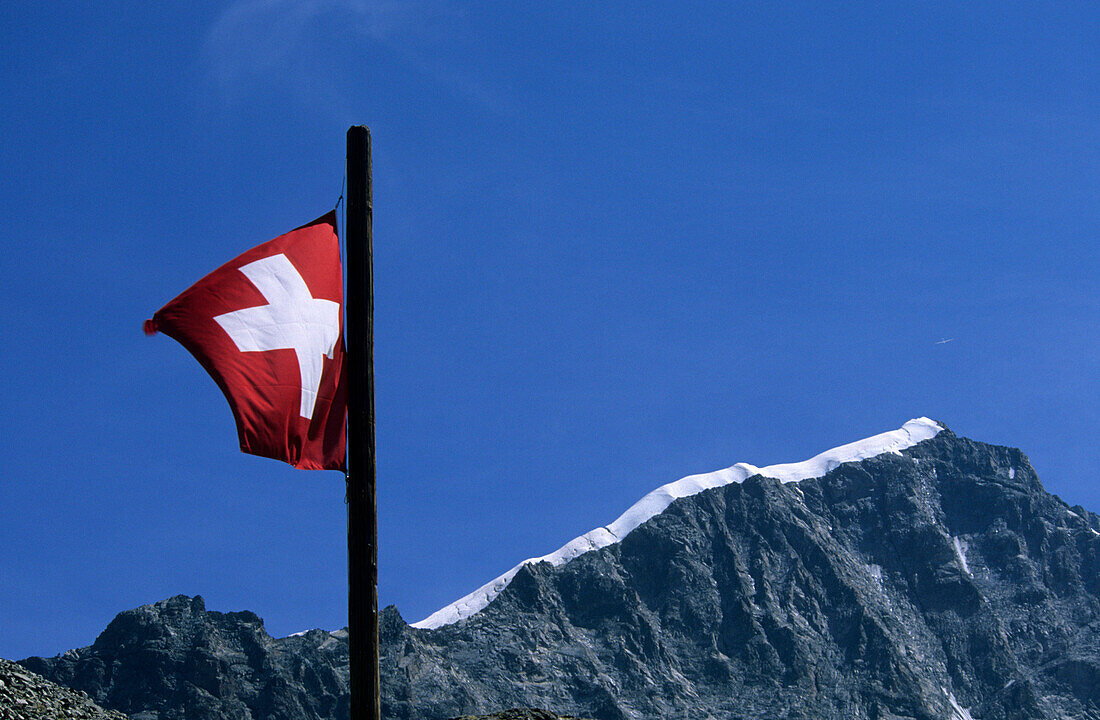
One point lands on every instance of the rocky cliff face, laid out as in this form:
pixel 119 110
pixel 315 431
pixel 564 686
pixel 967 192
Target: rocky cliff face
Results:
pixel 941 582
pixel 177 661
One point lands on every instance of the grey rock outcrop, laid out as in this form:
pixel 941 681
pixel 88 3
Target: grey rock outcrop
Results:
pixel 174 660
pixel 27 696
pixel 941 582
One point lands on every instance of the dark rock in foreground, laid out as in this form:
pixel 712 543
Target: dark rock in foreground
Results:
pixel 941 582
pixel 27 696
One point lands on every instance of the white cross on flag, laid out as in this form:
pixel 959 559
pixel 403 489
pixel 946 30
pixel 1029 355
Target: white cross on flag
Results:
pixel 268 327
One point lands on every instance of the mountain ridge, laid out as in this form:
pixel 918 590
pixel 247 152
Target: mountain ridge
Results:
pixel 657 501
pixel 938 582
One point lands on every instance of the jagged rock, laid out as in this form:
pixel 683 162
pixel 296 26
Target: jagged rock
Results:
pixel 176 660
pixel 939 582
pixel 27 696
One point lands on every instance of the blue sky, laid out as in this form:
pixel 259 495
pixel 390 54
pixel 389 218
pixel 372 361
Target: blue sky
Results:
pixel 615 244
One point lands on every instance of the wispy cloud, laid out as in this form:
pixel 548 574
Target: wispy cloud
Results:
pixel 287 43
pixel 292 47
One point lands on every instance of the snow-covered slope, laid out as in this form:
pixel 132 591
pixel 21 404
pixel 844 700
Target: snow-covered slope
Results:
pixel 657 501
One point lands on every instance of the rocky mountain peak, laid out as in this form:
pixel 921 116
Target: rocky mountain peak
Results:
pixel 935 580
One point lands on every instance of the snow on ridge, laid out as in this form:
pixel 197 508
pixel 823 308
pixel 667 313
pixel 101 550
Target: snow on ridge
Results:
pixel 958 712
pixel 961 547
pixel 656 502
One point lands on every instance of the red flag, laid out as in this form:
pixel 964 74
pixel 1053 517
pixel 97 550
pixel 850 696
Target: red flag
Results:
pixel 269 328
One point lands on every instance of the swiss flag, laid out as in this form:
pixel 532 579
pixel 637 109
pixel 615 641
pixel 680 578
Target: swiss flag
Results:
pixel 269 328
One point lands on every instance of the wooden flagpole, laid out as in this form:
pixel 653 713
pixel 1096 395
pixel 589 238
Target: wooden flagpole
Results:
pixel 361 496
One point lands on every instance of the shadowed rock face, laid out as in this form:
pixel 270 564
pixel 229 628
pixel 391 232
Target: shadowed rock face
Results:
pixel 174 659
pixel 943 582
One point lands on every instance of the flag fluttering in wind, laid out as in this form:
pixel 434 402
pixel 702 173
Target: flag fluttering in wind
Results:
pixel 268 327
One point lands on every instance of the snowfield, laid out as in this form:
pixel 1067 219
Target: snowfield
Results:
pixel 656 502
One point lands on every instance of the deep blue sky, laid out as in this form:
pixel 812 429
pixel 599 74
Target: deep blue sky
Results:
pixel 615 244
